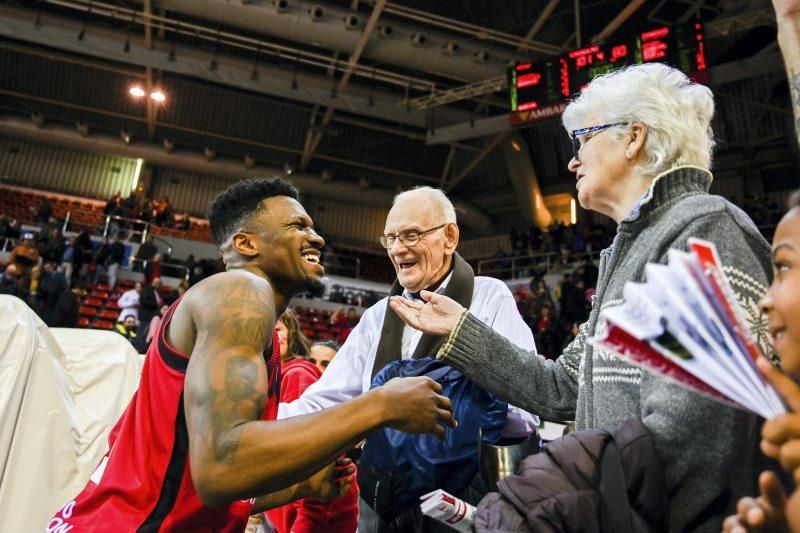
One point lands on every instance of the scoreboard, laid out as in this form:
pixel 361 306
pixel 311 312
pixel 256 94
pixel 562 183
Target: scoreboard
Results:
pixel 541 89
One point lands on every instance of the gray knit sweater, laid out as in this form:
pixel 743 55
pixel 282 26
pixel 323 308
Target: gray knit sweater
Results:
pixel 708 449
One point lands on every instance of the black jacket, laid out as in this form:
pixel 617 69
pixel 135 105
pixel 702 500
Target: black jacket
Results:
pixel 575 485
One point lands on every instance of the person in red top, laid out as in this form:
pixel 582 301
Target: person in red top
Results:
pixel 297 374
pixel 197 448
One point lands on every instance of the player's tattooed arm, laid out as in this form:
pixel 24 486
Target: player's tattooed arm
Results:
pixel 226 381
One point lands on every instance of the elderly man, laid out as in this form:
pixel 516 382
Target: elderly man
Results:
pixel 421 236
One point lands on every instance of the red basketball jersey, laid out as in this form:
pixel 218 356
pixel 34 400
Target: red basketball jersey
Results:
pixel 143 483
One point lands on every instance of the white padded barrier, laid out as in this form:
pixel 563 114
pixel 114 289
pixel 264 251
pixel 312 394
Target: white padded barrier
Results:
pixel 61 391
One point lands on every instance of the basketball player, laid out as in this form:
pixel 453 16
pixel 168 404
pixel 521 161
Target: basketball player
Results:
pixel 198 444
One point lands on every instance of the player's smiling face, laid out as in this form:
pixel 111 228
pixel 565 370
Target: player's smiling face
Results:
pixel 288 246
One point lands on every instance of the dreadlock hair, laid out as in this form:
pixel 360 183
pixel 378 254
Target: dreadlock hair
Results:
pixel 242 200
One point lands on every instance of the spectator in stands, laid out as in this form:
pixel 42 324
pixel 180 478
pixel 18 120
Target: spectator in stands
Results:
pixel 420 236
pixel 322 353
pixel 12 228
pixel 51 285
pixel 43 212
pixel 68 258
pixel 81 255
pixel 150 301
pixel 65 314
pixel 297 374
pixel 147 250
pixel 336 294
pixel 127 328
pixel 52 247
pixel 154 323
pixel 152 269
pixel 129 303
pixel 109 258
pixel 344 322
pixel 13 282
pixel 642 141
pixel 25 255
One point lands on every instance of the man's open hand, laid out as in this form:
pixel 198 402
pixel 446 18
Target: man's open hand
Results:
pixel 437 316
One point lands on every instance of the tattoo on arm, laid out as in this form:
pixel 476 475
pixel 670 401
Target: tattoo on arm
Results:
pixel 276 499
pixel 226 382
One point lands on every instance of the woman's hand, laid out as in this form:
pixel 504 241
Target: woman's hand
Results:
pixel 437 316
pixel 780 436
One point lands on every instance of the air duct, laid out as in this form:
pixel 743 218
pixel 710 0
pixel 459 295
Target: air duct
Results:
pixel 316 13
pixel 419 38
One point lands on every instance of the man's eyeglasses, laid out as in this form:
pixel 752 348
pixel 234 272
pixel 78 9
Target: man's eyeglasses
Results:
pixel 577 134
pixel 407 238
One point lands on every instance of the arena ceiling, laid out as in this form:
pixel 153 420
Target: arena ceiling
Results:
pixel 351 95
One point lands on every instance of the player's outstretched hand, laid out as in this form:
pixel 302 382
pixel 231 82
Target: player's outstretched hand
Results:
pixel 415 405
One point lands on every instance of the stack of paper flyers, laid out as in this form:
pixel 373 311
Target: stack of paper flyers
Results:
pixel 684 323
pixel 448 509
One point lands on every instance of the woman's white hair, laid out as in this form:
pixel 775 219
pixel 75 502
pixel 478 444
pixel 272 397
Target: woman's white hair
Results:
pixel 444 207
pixel 676 111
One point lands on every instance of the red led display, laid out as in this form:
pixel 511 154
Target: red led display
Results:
pixel 538 89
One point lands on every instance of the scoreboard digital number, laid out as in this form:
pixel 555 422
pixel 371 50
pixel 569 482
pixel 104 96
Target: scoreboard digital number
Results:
pixel 540 90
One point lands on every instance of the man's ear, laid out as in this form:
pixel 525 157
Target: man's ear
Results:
pixel 451 235
pixel 242 243
pixel 638 137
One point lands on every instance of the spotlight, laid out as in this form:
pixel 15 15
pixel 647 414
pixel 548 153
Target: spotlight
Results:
pixel 136 91
pixel 83 128
pixel 209 153
pixel 287 169
pixel 249 161
pixel 169 144
pixel 158 96
pixel 419 38
pixel 316 13
pixel 326 176
pixel 38 118
pixel 126 136
pixel 450 48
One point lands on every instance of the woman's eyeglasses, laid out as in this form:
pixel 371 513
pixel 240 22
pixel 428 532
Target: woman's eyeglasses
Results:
pixel 577 134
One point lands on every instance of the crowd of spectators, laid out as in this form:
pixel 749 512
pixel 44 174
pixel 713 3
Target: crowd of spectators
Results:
pixel 159 212
pixel 554 316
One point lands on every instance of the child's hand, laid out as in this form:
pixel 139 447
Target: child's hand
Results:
pixel 766 513
pixel 780 436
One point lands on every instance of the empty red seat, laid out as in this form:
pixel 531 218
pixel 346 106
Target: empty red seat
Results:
pixel 112 304
pixel 103 324
pixel 102 295
pixel 109 314
pixel 87 311
pixel 105 287
pixel 93 302
pixel 83 322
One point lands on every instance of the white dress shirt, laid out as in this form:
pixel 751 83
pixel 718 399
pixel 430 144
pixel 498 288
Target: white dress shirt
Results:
pixel 128 302
pixel 350 372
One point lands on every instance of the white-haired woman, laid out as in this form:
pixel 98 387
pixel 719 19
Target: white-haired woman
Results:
pixel 642 144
